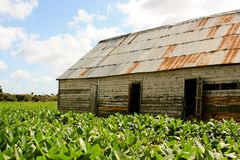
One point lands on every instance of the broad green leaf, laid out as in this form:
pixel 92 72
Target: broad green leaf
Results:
pixel 41 158
pixel 95 151
pixel 200 146
pixel 82 145
pixel 1 156
pixel 53 150
pixel 16 153
pixel 115 145
pixel 130 138
pixel 209 154
pixel 205 138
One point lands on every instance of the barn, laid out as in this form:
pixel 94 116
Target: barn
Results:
pixel 191 68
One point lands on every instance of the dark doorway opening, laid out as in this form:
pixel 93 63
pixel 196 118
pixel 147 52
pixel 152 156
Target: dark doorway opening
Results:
pixel 190 97
pixel 134 98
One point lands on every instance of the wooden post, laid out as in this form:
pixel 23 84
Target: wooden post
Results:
pixel 199 92
pixel 1 89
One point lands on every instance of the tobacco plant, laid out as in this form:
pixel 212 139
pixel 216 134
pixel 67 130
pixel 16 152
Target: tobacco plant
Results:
pixel 39 131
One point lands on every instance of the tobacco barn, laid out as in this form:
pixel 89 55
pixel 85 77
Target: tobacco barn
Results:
pixel 191 68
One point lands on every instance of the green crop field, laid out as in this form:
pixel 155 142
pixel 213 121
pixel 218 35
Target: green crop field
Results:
pixel 39 131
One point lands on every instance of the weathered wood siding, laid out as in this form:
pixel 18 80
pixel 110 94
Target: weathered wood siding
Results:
pixel 74 95
pixel 161 92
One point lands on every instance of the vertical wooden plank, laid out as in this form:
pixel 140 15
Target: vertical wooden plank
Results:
pixel 129 97
pixel 58 96
pixel 93 99
pixel 199 92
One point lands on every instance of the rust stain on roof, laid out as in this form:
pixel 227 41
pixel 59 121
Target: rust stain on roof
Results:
pixel 181 61
pixel 165 63
pixel 194 59
pixel 212 32
pixel 169 50
pixel 132 67
pixel 190 58
pixel 233 29
pixel 230 42
pixel 84 72
pixel 202 22
pixel 202 59
pixel 230 55
pixel 225 19
pixel 172 62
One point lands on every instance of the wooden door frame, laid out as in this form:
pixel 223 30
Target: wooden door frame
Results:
pixel 130 94
pixel 197 97
pixel 93 102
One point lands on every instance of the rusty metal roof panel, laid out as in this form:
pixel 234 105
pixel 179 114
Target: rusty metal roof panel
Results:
pixel 236 59
pixel 208 22
pixel 158 53
pixel 76 73
pixel 236 19
pixel 86 63
pixel 222 31
pixel 112 59
pixel 148 66
pixel 125 68
pixel 211 40
pixel 201 35
pixel 66 74
pixel 238 31
pixel 155 33
pixel 104 70
pixel 147 54
pixel 128 48
pixel 100 46
pixel 217 57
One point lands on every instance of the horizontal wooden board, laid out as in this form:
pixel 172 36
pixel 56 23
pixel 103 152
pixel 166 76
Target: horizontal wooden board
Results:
pixel 221 108
pixel 222 115
pixel 222 101
pixel 113 108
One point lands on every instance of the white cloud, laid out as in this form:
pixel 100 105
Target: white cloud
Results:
pixel 28 75
pixel 24 81
pixel 142 14
pixel 21 74
pixel 9 35
pixel 84 16
pixel 61 51
pixel 17 8
pixel 43 79
pixel 27 82
pixel 3 65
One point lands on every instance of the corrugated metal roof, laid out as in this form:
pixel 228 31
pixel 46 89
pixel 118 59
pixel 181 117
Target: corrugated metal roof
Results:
pixel 211 40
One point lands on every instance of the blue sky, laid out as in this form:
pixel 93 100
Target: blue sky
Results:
pixel 40 39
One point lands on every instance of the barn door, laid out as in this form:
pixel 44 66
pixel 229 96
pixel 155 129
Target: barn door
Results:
pixel 199 92
pixel 93 99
